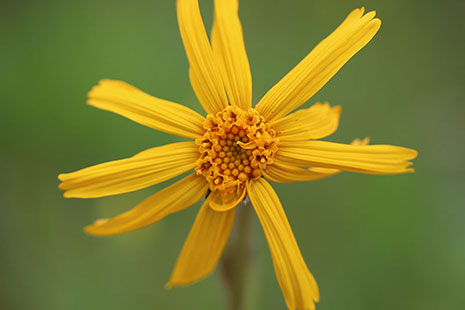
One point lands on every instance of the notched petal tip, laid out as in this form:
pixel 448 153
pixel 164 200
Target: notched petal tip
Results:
pixel 361 142
pixel 66 194
pixel 370 15
pixel 61 185
pixel 96 88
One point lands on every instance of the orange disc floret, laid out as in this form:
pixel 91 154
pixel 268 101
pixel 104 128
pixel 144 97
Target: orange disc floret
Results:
pixel 236 147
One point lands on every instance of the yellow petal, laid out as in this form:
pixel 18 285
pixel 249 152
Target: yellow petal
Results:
pixel 204 245
pixel 297 284
pixel 204 74
pixel 229 50
pixel 224 202
pixel 312 73
pixel 285 173
pixel 145 169
pixel 174 198
pixel 126 100
pixel 372 159
pixel 316 122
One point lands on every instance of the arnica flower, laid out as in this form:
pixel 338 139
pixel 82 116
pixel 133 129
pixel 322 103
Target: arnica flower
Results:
pixel 235 147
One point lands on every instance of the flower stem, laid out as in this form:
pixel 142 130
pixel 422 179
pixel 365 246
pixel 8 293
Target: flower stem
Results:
pixel 237 259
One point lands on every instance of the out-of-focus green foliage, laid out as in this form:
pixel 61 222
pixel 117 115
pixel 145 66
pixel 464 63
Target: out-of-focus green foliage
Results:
pixel 372 242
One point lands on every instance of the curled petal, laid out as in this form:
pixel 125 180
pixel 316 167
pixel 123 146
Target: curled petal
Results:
pixel 226 201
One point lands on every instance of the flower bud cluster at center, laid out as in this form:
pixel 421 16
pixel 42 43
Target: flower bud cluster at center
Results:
pixel 237 146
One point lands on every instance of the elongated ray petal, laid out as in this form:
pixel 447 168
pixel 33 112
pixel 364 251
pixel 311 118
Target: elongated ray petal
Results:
pixel 147 168
pixel 372 159
pixel 204 74
pixel 283 172
pixel 297 284
pixel 316 122
pixel 229 50
pixel 174 198
pixel 126 100
pixel 204 245
pixel 312 73
pixel 286 173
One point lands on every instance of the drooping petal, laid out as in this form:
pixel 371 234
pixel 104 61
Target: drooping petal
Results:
pixel 204 74
pixel 174 198
pixel 316 122
pixel 297 284
pixel 229 50
pixel 126 100
pixel 204 245
pixel 312 73
pixel 372 159
pixel 145 169
pixel 226 201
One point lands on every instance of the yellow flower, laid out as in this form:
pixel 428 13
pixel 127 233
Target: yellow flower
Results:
pixel 235 146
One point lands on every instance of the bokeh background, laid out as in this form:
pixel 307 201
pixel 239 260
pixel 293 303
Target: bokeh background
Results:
pixel 372 242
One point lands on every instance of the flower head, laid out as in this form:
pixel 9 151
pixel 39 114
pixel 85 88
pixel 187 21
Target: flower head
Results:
pixel 235 146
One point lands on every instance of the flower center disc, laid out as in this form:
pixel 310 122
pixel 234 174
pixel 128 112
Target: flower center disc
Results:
pixel 236 147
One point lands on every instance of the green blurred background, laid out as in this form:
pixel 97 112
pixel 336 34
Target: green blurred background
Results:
pixel 372 242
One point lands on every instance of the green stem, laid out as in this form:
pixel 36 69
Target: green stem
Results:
pixel 237 259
